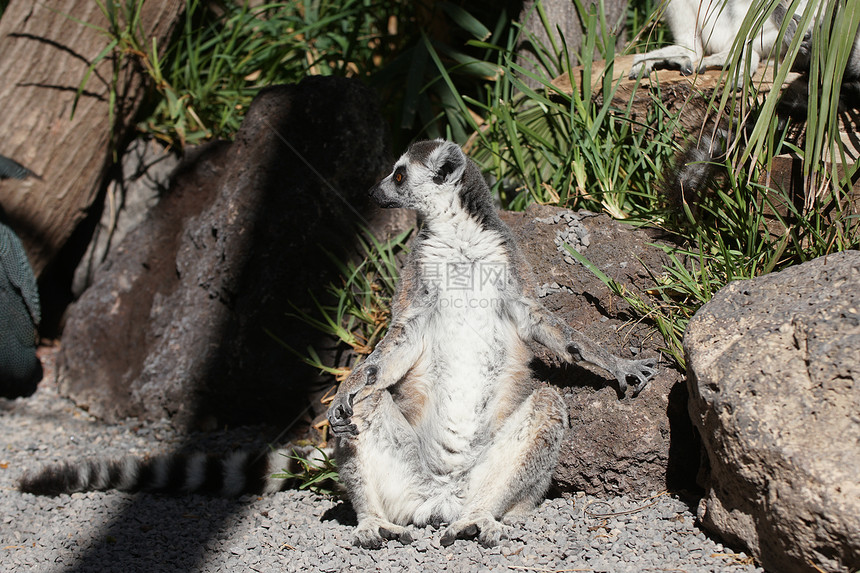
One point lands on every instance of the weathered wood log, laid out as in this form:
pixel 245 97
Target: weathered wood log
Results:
pixel 47 49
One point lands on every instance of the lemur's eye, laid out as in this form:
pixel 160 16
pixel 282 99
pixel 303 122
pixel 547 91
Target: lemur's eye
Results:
pixel 399 176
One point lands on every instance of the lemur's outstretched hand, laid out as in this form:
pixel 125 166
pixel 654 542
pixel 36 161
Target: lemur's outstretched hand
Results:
pixel 573 346
pixel 582 349
pixel 387 364
pixel 641 370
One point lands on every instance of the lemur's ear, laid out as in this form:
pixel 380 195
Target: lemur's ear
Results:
pixel 447 163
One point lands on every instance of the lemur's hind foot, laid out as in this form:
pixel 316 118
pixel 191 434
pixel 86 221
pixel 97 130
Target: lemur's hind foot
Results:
pixel 372 533
pixel 488 531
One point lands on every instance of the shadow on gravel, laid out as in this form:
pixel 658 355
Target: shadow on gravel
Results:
pixel 342 513
pixel 159 534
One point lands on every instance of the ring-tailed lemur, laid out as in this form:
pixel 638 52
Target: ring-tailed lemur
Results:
pixel 443 422
pixel 704 32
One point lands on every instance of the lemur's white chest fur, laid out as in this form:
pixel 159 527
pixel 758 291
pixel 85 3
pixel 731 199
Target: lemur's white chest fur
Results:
pixel 469 345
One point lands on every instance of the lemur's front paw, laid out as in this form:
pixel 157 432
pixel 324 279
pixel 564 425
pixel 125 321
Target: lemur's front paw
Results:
pixel 645 65
pixel 340 415
pixel 340 411
pixel 641 370
pixel 640 65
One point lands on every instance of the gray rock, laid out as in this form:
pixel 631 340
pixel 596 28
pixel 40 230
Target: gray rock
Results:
pixel 177 321
pixel 774 376
pixel 146 168
pixel 614 446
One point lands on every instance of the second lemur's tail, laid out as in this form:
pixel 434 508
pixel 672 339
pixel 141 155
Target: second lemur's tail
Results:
pixel 227 476
pixel 695 168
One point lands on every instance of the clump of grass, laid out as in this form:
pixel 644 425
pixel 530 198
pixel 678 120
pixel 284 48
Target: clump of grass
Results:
pixel 571 149
pixel 358 316
pixel 205 79
pixel 220 62
pixel 317 473
pixel 450 37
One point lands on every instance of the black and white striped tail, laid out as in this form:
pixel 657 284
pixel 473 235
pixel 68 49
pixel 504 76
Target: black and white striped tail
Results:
pixel 235 474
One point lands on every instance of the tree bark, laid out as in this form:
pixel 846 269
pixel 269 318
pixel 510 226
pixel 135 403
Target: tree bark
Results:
pixel 562 16
pixel 46 49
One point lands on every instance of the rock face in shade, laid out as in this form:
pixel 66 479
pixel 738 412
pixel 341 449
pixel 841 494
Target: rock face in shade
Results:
pixel 144 176
pixel 635 446
pixel 175 324
pixel 774 376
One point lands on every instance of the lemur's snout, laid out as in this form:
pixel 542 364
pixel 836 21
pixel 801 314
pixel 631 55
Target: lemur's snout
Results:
pixel 374 192
pixel 377 193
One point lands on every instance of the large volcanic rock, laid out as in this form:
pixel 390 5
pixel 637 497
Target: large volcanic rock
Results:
pixel 774 376
pixel 177 321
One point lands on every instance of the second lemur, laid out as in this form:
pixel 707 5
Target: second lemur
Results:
pixel 443 423
pixel 702 158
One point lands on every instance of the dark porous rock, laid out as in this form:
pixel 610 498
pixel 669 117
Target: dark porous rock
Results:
pixel 143 177
pixel 774 375
pixel 182 317
pixel 616 445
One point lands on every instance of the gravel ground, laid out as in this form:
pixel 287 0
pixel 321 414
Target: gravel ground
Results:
pixel 293 531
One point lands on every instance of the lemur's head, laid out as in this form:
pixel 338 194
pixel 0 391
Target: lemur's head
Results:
pixel 434 177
